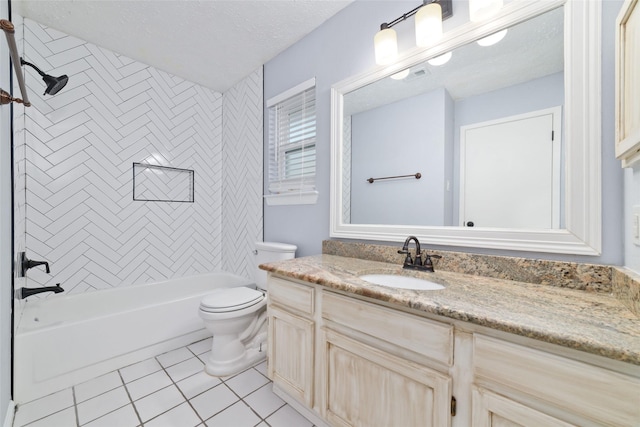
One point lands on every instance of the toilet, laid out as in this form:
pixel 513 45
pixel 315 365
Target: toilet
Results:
pixel 237 317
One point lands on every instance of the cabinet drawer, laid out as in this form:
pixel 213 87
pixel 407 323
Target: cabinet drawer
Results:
pixel 428 338
pixel 596 393
pixel 291 295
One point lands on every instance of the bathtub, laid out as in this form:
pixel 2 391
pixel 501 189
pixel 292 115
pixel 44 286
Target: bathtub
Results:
pixel 65 340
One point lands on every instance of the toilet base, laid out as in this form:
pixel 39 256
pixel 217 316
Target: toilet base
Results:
pixel 249 358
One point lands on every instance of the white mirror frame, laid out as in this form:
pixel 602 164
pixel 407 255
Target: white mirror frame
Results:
pixel 583 205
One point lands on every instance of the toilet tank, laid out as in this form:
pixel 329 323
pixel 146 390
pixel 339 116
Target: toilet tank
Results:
pixel 271 252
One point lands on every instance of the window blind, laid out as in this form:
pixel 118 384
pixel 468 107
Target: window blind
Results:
pixel 292 140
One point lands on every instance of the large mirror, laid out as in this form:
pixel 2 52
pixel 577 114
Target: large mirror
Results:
pixel 475 143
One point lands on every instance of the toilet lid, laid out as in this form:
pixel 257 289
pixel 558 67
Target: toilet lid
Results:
pixel 230 299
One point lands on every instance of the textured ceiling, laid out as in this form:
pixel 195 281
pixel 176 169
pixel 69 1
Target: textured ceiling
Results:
pixel 211 42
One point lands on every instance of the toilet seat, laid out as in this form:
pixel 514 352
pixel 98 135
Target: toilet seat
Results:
pixel 231 299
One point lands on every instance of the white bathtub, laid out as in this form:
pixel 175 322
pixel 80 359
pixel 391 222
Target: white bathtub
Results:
pixel 65 340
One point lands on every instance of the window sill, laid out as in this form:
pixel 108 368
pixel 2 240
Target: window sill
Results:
pixel 303 198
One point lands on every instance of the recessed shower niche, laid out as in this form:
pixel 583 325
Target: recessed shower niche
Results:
pixel 152 183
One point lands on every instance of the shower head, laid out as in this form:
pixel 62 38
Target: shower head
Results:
pixel 54 84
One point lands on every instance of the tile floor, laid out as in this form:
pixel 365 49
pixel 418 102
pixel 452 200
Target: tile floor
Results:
pixel 170 390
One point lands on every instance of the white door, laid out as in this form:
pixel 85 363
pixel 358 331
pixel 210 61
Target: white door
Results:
pixel 510 172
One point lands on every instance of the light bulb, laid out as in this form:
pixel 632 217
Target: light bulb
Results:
pixel 429 25
pixel 479 10
pixel 492 39
pixel 401 75
pixel 386 46
pixel 440 60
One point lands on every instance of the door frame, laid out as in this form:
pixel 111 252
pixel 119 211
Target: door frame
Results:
pixel 556 126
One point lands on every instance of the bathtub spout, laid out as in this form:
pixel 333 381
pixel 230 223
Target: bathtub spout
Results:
pixel 27 292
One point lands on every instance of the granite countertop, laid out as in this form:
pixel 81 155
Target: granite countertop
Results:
pixel 596 323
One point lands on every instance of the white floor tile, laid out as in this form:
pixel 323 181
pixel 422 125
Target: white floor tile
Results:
pixel 182 416
pixel 123 417
pixel 176 356
pixel 94 408
pixel 149 384
pixel 198 383
pixel 185 369
pixel 204 356
pixel 287 417
pixel 97 386
pixel 238 415
pixel 40 408
pixel 158 402
pixel 264 401
pixel 246 382
pixel 201 346
pixel 262 368
pixel 139 370
pixel 66 417
pixel 105 402
pixel 213 401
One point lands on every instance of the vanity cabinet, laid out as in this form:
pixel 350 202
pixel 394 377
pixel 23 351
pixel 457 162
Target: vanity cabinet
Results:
pixel 344 361
pixel 291 338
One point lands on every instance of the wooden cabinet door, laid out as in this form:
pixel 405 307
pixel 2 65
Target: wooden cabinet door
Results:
pixel 367 387
pixel 290 352
pixel 492 410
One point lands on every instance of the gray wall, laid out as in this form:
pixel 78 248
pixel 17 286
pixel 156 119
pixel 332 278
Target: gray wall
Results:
pixel 343 47
pixel 401 138
pixel 5 230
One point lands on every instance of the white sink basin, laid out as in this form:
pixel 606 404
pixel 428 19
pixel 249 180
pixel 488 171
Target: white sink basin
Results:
pixel 401 282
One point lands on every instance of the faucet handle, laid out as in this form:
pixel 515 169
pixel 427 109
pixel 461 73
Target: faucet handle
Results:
pixel 428 262
pixel 407 259
pixel 26 263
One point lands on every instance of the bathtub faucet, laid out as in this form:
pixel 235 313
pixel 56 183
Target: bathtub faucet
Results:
pixel 27 292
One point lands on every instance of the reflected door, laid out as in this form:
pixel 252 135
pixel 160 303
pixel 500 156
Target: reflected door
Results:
pixel 510 172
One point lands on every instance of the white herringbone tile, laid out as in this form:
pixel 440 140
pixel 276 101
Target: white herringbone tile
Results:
pixel 242 165
pixel 75 153
pixel 73 187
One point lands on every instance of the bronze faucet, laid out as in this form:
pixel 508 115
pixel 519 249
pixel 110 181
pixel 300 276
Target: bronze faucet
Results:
pixel 416 264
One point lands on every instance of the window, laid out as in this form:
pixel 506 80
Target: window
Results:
pixel 292 146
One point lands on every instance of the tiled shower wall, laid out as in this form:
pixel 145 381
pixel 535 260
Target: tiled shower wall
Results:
pixel 80 146
pixel 242 174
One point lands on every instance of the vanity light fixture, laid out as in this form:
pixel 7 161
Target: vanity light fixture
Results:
pixel 492 39
pixel 401 75
pixel 440 60
pixel 428 23
pixel 479 10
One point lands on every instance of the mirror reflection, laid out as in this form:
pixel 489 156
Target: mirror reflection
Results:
pixel 482 125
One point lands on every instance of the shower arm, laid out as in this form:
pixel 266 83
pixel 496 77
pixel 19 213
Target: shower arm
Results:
pixel 5 97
